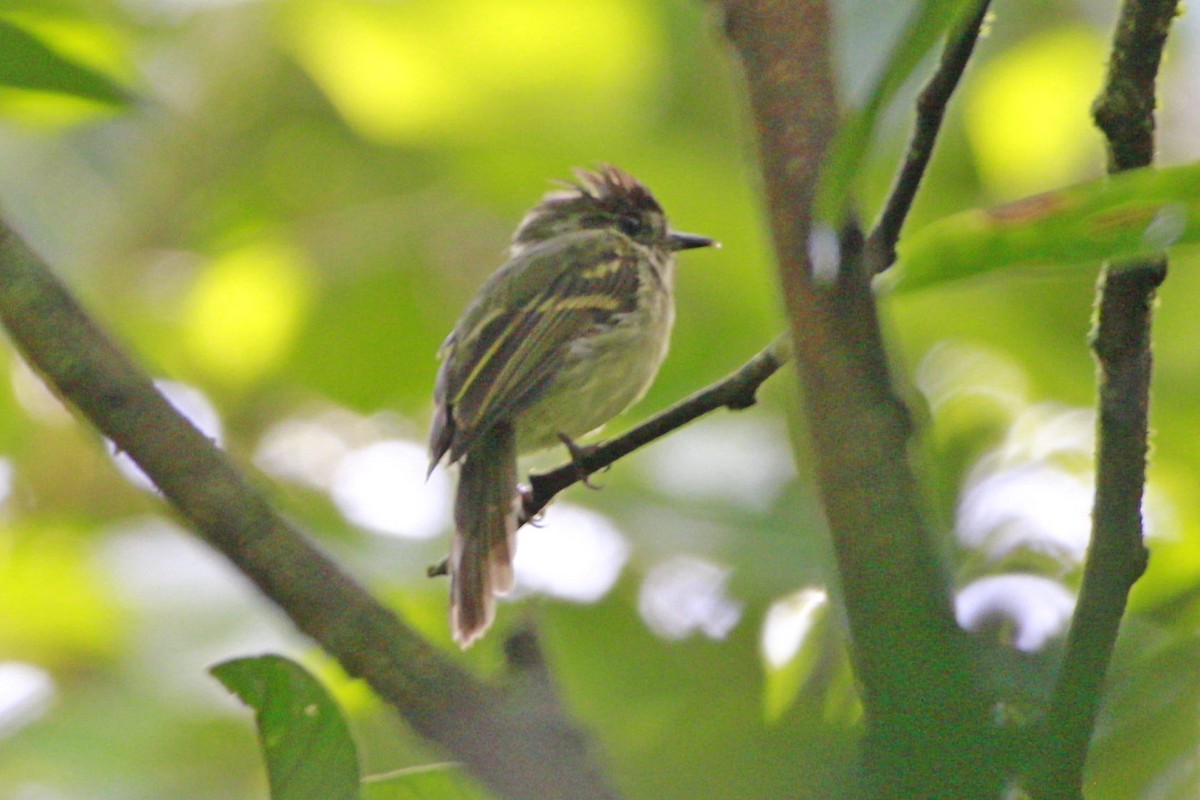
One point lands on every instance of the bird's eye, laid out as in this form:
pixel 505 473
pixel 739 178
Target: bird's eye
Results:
pixel 630 224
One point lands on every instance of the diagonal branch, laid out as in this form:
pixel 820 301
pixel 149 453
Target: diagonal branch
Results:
pixel 1124 111
pixel 931 108
pixel 736 391
pixel 515 752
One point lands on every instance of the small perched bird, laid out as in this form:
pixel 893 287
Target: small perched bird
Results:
pixel 567 334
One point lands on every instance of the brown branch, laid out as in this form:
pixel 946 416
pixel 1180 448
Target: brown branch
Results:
pixel 931 108
pixel 926 721
pixel 1124 111
pixel 516 754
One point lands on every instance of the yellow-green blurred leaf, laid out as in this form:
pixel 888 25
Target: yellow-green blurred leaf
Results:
pixel 55 607
pixel 1028 117
pixel 245 310
pixel 28 63
pixel 468 70
pixel 1136 213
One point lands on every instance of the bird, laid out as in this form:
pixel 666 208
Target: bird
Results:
pixel 569 332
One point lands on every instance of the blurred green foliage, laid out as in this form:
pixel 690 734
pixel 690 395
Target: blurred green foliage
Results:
pixel 290 216
pixel 1135 214
pixel 29 65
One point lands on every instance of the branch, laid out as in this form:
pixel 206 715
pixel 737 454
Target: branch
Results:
pixel 516 753
pixel 1124 111
pixel 736 391
pixel 931 107
pixel 926 720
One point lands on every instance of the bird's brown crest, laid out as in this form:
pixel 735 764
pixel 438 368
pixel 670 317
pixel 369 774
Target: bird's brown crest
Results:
pixel 611 187
pixel 604 193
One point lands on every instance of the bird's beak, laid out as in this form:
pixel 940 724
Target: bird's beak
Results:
pixel 689 241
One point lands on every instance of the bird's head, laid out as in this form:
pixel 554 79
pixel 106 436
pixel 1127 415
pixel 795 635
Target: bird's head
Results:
pixel 605 198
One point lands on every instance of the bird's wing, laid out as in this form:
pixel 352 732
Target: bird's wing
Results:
pixel 511 344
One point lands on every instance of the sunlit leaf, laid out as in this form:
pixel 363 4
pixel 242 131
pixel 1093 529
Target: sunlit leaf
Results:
pixel 1136 213
pixel 436 782
pixel 305 741
pixel 928 24
pixel 26 62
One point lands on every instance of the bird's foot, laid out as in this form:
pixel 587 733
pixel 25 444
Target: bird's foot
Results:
pixel 579 454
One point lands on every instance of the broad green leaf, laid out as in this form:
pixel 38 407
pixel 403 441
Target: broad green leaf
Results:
pixel 305 741
pixel 928 25
pixel 26 62
pixel 434 782
pixel 1136 213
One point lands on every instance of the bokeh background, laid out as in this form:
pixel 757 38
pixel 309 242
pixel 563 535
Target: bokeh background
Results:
pixel 287 221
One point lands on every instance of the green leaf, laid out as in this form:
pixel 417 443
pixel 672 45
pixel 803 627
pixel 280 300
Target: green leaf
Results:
pixel 928 25
pixel 26 62
pixel 305 741
pixel 1137 213
pixel 434 782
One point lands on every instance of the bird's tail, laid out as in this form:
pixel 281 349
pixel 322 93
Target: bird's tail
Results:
pixel 485 529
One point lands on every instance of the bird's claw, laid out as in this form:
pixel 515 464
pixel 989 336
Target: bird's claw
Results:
pixel 579 453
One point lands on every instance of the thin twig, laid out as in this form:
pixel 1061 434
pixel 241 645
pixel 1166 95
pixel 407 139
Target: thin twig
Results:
pixel 516 753
pixel 1124 111
pixel 931 108
pixel 736 391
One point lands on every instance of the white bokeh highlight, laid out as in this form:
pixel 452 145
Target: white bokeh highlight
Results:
pixel 372 472
pixel 382 486
pixel 1034 491
pixel 744 460
pixel 303 451
pixel 1035 609
pixel 688 595
pixel 191 608
pixel 955 373
pixel 8 473
pixel 789 622
pixel 35 398
pixel 1035 506
pixel 26 692
pixel 575 554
